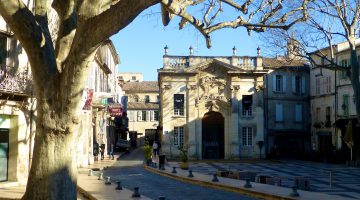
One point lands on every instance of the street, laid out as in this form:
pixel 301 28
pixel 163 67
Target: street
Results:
pixel 131 174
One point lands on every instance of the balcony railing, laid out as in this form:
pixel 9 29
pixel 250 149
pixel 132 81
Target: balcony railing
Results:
pixel 14 81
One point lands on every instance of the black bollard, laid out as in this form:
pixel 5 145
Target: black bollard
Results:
pixel 215 179
pixel 107 182
pixel 161 198
pixel 294 192
pixel 190 174
pixel 118 187
pixel 136 192
pixel 174 170
pixel 247 183
pixel 162 167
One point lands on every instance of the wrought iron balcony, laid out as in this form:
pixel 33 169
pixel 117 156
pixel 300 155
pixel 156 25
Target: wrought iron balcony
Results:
pixel 13 80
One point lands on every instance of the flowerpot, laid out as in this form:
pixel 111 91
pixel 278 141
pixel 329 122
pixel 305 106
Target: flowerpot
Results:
pixel 184 165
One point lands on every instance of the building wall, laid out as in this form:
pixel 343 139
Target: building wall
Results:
pixel 226 90
pixel 287 111
pixel 128 77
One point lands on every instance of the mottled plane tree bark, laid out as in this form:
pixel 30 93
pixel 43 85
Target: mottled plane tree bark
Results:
pixel 60 38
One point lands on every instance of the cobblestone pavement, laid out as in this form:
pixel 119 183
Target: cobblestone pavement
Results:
pixel 345 180
pixel 131 174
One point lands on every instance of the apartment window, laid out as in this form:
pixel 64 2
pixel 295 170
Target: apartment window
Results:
pixel 131 115
pixel 121 78
pixel 247 105
pixel 279 83
pixel 133 78
pixel 3 49
pixel 297 84
pixel 157 98
pixel 317 115
pixel 147 99
pixel 156 115
pixel 328 115
pixel 317 86
pixel 329 84
pixel 142 115
pixel 247 136
pixel 343 63
pixel 345 105
pixel 279 115
pixel 179 104
pixel 298 113
pixel 179 136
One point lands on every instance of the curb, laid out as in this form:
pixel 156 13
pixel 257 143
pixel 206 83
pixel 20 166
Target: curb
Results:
pixel 85 193
pixel 243 191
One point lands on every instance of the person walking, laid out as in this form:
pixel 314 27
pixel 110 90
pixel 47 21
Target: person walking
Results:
pixel 155 148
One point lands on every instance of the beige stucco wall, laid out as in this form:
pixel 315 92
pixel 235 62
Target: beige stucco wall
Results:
pixel 228 104
pixel 20 140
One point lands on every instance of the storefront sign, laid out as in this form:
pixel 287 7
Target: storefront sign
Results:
pixel 115 111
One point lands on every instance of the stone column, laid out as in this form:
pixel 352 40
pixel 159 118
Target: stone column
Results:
pixel 191 120
pixel 234 152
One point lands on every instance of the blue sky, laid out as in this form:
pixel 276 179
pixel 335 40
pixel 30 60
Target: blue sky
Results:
pixel 141 44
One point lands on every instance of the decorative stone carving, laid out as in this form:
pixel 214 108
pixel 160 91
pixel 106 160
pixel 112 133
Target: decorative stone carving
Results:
pixel 235 87
pixel 212 87
pixel 166 87
pixel 191 87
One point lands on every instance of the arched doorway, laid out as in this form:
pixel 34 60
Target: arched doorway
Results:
pixel 213 136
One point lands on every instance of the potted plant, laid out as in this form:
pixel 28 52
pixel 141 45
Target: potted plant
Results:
pixel 183 157
pixel 147 150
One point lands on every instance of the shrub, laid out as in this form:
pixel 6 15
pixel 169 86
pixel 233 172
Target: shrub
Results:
pixel 147 150
pixel 183 153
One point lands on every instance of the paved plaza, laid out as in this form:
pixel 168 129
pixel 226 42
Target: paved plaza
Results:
pixel 345 180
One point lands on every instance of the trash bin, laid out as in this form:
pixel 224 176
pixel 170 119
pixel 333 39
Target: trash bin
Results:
pixel 161 161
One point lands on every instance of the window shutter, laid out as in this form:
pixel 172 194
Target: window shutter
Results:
pixel 298 113
pixel 279 113
pixel 303 85
pixel 273 82
pixel 147 115
pixel 284 83
pixel 139 116
pixel 293 79
pixel 151 115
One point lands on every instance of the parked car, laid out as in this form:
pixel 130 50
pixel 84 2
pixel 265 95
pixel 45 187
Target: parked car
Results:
pixel 123 145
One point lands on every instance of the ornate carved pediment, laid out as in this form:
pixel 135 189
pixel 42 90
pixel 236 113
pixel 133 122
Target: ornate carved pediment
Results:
pixel 212 88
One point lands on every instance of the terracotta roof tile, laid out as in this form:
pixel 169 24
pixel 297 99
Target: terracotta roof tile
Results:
pixel 145 86
pixel 142 106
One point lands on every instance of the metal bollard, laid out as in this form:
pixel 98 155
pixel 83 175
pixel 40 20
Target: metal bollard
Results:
pixel 330 179
pixel 90 172
pixel 136 192
pixel 118 187
pixel 100 176
pixel 162 167
pixel 174 170
pixel 294 192
pixel 161 198
pixel 247 183
pixel 215 179
pixel 107 182
pixel 190 174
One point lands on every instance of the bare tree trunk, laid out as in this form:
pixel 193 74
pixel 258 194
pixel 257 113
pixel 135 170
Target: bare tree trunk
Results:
pixel 53 173
pixel 355 81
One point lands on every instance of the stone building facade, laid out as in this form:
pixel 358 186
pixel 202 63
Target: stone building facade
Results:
pixel 17 110
pixel 287 107
pixel 212 106
pixel 142 108
pixel 333 104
